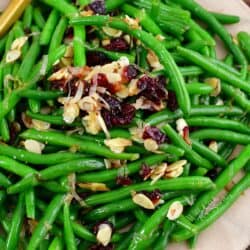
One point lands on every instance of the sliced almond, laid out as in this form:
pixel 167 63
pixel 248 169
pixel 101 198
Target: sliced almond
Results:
pixel 62 73
pixel 143 201
pixel 105 42
pixel 91 123
pixel 13 55
pixel 104 234
pixel 158 172
pixel 153 61
pixel 160 37
pixel 133 23
pixel 151 145
pixel 117 145
pixel 87 13
pixel 175 169
pixel 40 125
pixel 70 112
pixel 94 186
pixel 175 210
pixel 180 125
pixel 34 146
pixel 216 84
pixel 111 32
pixel 213 145
pixel 18 43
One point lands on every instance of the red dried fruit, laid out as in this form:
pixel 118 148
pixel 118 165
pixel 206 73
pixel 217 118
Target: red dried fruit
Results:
pixel 101 80
pixel 153 88
pixel 119 113
pixel 129 72
pixel 96 58
pixel 154 133
pixel 154 196
pixel 145 171
pixel 172 103
pixel 186 135
pixel 117 44
pixel 110 246
pixel 123 180
pixel 98 6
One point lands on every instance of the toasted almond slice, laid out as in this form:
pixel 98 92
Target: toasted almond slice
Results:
pixel 62 73
pixel 40 125
pixel 111 32
pixel 18 43
pixel 216 84
pixel 117 145
pixel 91 123
pixel 175 210
pixel 180 125
pixel 34 146
pixel 175 169
pixel 13 55
pixel 70 112
pixel 213 145
pixel 104 234
pixel 94 186
pixel 151 145
pixel 153 60
pixel 158 172
pixel 143 201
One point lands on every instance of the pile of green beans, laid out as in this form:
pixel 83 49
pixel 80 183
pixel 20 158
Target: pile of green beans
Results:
pixel 135 147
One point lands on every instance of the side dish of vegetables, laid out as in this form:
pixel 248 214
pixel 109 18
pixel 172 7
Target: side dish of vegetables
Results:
pixel 118 122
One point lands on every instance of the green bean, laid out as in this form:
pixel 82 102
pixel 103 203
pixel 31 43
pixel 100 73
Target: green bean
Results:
pixel 49 27
pixel 16 225
pixel 56 171
pixel 68 231
pixel 208 18
pixel 208 153
pixel 199 89
pixel 215 213
pixel 244 40
pixel 221 135
pixel 4 128
pixel 221 181
pixel 58 34
pixel 226 18
pixel 131 168
pixel 78 45
pixel 4 181
pixel 27 17
pixel 60 139
pixel 213 69
pixel 165 58
pixel 150 226
pixel 15 167
pixel 38 18
pixel 55 55
pixel 140 215
pixel 56 244
pixel 2 243
pixel 197 110
pixel 37 159
pixel 236 95
pixel 46 222
pixel 229 60
pixel 19 32
pixel 64 7
pixel 30 203
pixel 181 183
pixel 2 197
pixel 171 149
pixel 2 44
pixel 190 154
pixel 214 122
pixel 40 95
pixel 29 60
pixel 184 223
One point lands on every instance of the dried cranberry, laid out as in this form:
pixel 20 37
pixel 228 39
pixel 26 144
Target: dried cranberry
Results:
pixel 102 81
pixel 153 88
pixel 172 103
pixel 119 113
pixel 154 196
pixel 96 226
pixel 145 171
pixel 72 86
pixel 154 133
pixel 117 44
pixel 186 135
pixel 212 174
pixel 110 246
pixel 96 58
pixel 98 6
pixel 123 181
pixel 130 72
